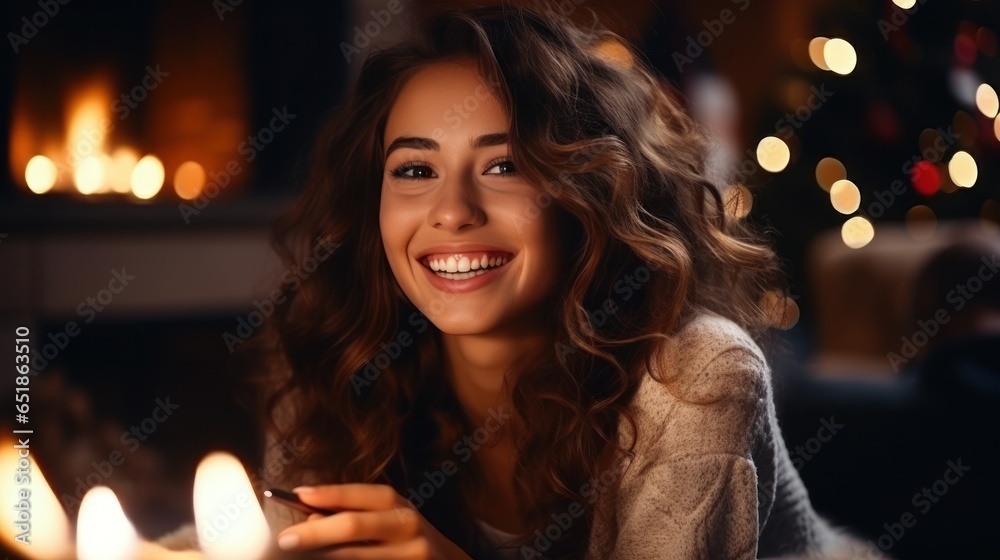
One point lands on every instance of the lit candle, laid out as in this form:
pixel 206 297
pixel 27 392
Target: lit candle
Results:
pixel 102 530
pixel 231 524
pixel 32 522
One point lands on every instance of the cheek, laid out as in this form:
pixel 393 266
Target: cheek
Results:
pixel 394 224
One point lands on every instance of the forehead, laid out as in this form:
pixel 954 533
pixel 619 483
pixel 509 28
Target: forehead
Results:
pixel 443 98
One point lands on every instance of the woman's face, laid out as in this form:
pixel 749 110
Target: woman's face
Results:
pixel 471 243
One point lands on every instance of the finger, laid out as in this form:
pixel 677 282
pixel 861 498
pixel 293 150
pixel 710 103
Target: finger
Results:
pixel 350 496
pixel 351 526
pixel 413 549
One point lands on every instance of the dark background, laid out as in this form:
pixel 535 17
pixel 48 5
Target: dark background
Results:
pixel 196 279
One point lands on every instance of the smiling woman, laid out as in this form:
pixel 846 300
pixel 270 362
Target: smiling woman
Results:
pixel 563 320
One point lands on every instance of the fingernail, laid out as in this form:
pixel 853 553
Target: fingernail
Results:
pixel 303 489
pixel 288 542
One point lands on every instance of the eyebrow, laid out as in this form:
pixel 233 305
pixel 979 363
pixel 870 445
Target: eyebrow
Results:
pixel 420 143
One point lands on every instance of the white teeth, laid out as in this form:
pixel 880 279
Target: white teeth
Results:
pixel 461 275
pixel 462 268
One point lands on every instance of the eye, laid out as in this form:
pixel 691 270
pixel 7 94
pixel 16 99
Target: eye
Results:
pixel 413 170
pixel 505 166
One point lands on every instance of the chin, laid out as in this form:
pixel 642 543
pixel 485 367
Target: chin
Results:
pixel 460 323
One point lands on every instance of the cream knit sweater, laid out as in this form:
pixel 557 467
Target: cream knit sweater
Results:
pixel 711 478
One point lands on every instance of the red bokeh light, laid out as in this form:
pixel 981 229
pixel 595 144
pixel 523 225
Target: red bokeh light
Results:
pixel 925 177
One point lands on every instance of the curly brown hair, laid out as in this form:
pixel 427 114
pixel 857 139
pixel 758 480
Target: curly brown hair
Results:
pixel 360 387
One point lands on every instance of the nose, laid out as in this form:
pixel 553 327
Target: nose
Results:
pixel 455 207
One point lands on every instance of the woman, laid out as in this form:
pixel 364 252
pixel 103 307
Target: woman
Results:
pixel 539 327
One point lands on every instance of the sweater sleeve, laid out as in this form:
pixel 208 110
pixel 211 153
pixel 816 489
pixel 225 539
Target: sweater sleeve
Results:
pixel 692 490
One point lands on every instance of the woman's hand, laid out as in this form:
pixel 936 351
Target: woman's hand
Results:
pixel 392 527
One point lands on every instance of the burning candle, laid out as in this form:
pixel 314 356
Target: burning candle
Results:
pixel 231 524
pixel 32 521
pixel 102 530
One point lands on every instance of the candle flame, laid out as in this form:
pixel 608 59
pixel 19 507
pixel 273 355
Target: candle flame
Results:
pixel 231 525
pixel 31 522
pixel 102 530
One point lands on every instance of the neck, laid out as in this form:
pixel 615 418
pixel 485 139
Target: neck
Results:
pixel 476 366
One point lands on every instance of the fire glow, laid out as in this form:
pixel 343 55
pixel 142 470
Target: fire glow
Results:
pixel 84 157
pixel 228 518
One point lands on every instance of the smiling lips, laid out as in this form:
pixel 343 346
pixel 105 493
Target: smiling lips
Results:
pixel 459 266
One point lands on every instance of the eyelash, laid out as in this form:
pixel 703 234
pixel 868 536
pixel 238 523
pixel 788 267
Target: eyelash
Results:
pixel 399 171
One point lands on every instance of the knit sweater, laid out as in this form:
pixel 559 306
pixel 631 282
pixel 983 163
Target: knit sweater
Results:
pixel 711 477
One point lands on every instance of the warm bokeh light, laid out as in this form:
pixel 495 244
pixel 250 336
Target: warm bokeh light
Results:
pixel 782 312
pixel 921 222
pixel 189 179
pixel 925 177
pixel 987 101
pixel 828 171
pixel 857 232
pixel 231 525
pixel 816 52
pixel 615 52
pixel 147 177
pixel 996 128
pixel 40 174
pixel 773 154
pixel 905 4
pixel 102 530
pixel 123 161
pixel 738 201
pixel 51 536
pixel 840 56
pixel 963 170
pixel 89 112
pixel 845 196
pixel 89 175
pixel 947 185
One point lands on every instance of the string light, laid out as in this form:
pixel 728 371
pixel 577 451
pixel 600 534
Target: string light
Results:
pixel 773 154
pixel 845 196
